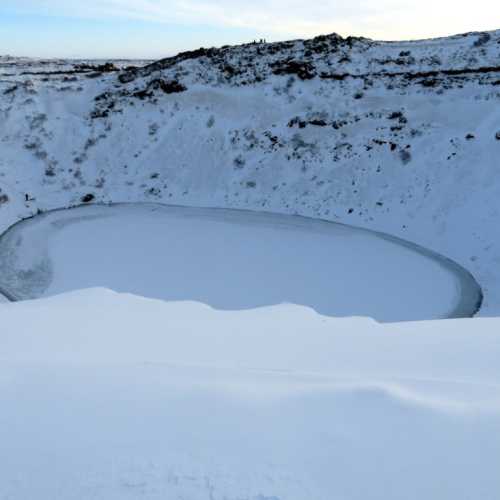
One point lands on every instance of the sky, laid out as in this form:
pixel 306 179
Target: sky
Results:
pixel 156 28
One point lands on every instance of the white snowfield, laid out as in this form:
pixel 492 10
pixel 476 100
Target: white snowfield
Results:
pixel 111 396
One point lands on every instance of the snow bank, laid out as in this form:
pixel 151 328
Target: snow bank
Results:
pixel 114 396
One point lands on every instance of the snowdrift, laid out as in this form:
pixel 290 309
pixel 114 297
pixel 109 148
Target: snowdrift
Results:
pixel 113 396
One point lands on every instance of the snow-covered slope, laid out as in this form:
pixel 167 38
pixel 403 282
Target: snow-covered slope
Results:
pixel 113 397
pixel 401 137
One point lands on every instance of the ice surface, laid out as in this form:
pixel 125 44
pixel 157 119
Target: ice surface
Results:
pixel 232 260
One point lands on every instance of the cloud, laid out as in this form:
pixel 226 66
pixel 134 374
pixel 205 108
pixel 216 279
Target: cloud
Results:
pixel 276 16
pixel 289 18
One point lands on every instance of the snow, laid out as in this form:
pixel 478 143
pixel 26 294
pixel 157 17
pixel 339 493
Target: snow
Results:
pixel 231 260
pixel 114 396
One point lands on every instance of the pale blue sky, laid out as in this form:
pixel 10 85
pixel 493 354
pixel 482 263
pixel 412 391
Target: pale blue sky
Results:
pixel 155 28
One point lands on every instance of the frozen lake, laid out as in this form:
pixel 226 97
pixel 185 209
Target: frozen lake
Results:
pixel 232 259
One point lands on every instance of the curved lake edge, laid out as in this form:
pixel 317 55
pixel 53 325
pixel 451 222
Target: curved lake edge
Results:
pixel 470 296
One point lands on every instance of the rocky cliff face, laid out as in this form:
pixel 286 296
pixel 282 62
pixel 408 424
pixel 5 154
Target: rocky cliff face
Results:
pixel 402 137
